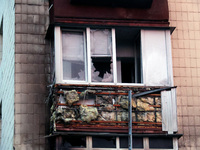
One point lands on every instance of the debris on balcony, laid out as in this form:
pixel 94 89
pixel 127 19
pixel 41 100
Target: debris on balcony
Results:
pixel 144 105
pixel 124 102
pixel 71 97
pixel 76 109
pixel 159 117
pixel 88 113
pixel 107 116
pixel 108 107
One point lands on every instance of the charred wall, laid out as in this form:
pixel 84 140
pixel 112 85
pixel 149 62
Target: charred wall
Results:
pixel 62 11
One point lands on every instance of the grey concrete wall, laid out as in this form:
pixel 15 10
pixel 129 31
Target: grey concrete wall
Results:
pixel 31 63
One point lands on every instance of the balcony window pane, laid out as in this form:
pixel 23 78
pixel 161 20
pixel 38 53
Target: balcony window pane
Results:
pixel 73 55
pixel 101 55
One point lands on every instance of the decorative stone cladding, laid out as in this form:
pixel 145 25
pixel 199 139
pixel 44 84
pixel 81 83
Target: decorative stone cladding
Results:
pixel 7 18
pixel 31 74
pixel 185 16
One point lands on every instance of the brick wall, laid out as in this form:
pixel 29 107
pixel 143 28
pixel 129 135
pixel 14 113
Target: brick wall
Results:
pixel 31 63
pixel 185 16
pixel 7 11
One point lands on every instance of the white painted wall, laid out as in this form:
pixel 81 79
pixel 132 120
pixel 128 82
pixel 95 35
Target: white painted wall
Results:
pixel 7 14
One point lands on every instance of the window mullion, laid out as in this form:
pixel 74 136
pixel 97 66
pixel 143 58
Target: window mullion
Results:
pixel 117 143
pixel 146 143
pixel 114 56
pixel 58 55
pixel 175 144
pixel 88 55
pixel 136 67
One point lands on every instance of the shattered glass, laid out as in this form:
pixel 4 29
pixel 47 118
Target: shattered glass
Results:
pixel 102 69
pixel 101 55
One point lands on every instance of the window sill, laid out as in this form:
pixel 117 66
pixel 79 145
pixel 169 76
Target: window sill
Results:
pixel 104 85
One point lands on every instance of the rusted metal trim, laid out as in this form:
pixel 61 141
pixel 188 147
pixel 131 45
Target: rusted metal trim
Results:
pixel 117 122
pixel 142 130
pixel 108 93
pixel 116 105
pixel 108 22
pixel 152 91
pixel 125 87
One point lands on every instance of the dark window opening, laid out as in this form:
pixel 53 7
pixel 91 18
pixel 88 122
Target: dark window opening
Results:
pixel 103 142
pixel 164 143
pixel 137 142
pixel 102 65
pixel 127 70
pixel 128 55
pixel 74 142
pixel 102 68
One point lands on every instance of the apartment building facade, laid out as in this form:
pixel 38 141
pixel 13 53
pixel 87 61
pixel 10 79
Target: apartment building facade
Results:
pixel 99 72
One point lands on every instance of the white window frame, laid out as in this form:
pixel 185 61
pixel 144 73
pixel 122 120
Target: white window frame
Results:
pixel 59 64
pixel 166 48
pixel 156 55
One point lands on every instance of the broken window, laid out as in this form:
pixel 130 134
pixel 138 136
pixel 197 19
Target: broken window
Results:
pixel 90 55
pixel 101 55
pixel 115 56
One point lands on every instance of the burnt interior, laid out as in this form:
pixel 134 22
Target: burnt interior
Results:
pixel 102 65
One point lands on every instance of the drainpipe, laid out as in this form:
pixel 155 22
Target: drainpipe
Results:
pixel 130 121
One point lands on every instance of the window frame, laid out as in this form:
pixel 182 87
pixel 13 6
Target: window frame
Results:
pixel 164 44
pixel 145 145
pixel 85 57
pixel 88 81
